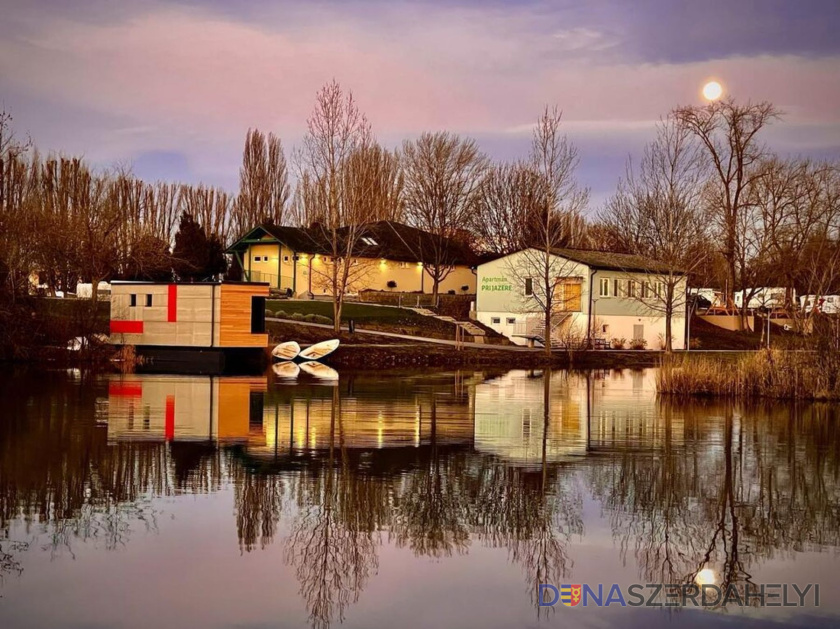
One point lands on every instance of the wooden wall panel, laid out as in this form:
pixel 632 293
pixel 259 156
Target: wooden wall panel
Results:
pixel 235 316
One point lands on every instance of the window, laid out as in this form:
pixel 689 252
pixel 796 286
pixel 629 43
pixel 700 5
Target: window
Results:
pixel 257 315
pixel 617 288
pixel 605 329
pixel 149 300
pixel 660 289
pixel 404 265
pixel 631 288
pixel 645 290
pixel 511 320
pixel 529 286
pixel 285 258
pixel 605 287
pixel 495 320
pixel 369 241
pixel 257 258
pixel 132 301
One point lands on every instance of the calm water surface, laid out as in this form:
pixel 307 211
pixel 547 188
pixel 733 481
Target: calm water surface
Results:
pixel 411 500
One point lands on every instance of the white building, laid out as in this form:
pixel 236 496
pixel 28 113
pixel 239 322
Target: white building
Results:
pixel 762 297
pixel 597 295
pixel 827 304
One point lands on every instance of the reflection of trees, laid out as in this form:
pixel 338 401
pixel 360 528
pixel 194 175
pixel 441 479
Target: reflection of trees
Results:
pixel 430 510
pixel 332 546
pixel 542 518
pixel 258 498
pixel 727 491
pixel 59 474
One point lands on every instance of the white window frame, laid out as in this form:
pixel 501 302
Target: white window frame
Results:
pixel 604 283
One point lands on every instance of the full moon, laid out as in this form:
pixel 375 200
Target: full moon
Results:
pixel 705 576
pixel 712 90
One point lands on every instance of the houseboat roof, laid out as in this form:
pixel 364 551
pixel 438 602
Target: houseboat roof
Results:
pixel 383 239
pixel 181 283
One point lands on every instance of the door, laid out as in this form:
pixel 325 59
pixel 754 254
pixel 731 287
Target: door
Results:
pixel 638 332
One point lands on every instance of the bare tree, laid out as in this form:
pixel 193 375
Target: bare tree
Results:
pixel 551 279
pixel 729 133
pixel 263 183
pixel 442 177
pixel 658 213
pixel 507 200
pixel 18 183
pixel 336 130
pixel 798 206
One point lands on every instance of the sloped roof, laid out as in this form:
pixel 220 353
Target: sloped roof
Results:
pixel 608 261
pixel 383 239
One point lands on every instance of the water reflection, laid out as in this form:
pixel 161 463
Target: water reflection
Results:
pixel 433 464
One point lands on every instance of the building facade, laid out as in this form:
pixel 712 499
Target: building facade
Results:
pixel 389 256
pixel 596 296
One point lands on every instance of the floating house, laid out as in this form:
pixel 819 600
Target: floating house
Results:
pixel 200 324
pixel 386 256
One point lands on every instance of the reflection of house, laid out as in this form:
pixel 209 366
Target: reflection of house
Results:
pixel 612 295
pixel 510 421
pixel 387 255
pixel 368 423
pixel 184 408
pixel 588 413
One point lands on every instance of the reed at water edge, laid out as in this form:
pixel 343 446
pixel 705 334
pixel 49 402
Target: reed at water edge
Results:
pixel 792 375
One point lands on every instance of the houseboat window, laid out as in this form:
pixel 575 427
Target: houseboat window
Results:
pixel 631 288
pixel 511 320
pixel 369 241
pixel 605 329
pixel 496 320
pixel 529 286
pixel 605 287
pixel 257 315
pixel 285 258
pixel 403 265
pixel 645 290
pixel 132 301
pixel 616 288
pixel 149 300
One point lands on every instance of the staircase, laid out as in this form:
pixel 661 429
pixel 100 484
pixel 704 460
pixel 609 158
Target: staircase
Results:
pixel 537 331
pixel 468 327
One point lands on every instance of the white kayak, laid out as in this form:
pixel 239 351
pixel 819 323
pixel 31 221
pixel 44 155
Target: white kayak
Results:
pixel 286 351
pixel 319 370
pixel 286 371
pixel 76 344
pixel 319 350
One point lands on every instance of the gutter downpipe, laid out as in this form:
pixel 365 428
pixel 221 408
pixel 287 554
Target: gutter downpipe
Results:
pixel 589 314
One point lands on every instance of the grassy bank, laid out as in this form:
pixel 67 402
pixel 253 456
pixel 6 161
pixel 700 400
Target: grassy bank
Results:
pixel 793 375
pixel 371 317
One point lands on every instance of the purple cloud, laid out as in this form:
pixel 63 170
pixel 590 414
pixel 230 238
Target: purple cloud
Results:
pixel 173 86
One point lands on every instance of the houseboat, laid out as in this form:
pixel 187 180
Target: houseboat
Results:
pixel 203 327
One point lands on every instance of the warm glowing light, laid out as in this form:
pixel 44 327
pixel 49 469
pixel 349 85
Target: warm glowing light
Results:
pixel 712 90
pixel 705 577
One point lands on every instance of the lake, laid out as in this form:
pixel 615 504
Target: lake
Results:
pixel 414 499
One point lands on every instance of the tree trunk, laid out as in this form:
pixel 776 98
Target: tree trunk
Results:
pixel 547 336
